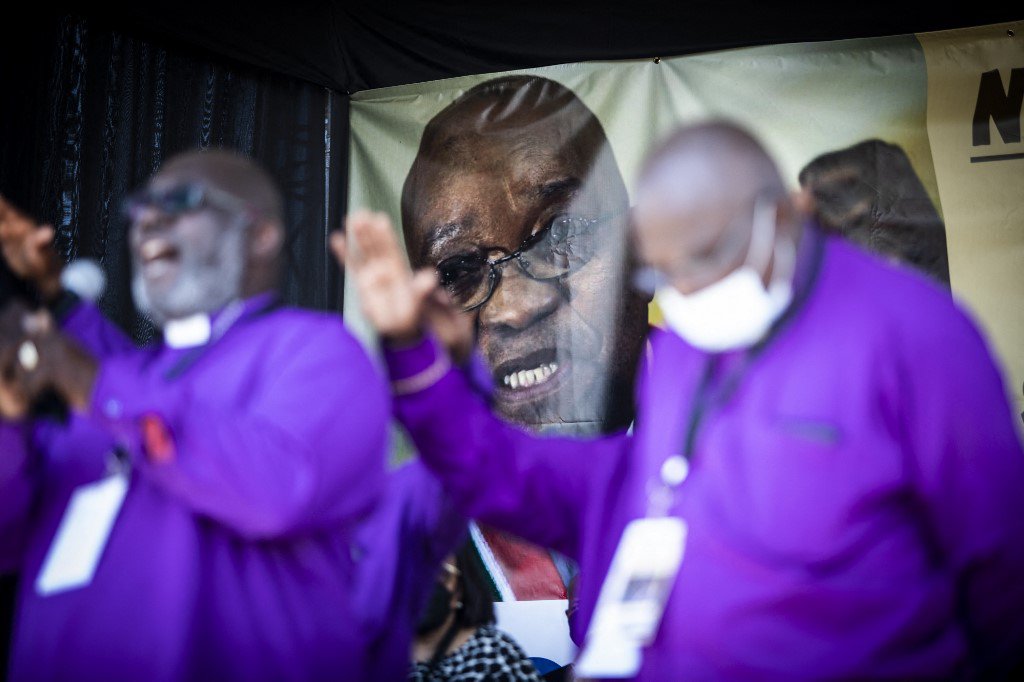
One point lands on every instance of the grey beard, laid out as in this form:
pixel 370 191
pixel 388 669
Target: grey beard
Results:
pixel 201 287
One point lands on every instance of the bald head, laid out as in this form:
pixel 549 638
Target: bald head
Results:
pixel 696 199
pixel 230 172
pixel 508 111
pixel 714 162
pixel 524 129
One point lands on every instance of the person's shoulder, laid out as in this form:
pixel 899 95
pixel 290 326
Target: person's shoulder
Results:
pixel 305 318
pixel 305 327
pixel 412 484
pixel 891 296
pixel 501 640
pixel 661 341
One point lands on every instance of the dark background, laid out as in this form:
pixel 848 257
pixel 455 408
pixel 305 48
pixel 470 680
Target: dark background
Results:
pixel 93 100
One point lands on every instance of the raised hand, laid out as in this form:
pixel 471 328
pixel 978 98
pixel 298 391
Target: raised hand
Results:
pixel 16 377
pixel 393 298
pixel 453 327
pixel 34 357
pixel 28 250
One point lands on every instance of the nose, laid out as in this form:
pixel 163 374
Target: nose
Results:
pixel 519 302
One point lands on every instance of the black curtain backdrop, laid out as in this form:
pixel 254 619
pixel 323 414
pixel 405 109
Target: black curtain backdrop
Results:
pixel 87 113
pixel 355 45
pixel 100 112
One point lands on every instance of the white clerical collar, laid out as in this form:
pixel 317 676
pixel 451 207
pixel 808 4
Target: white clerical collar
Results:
pixel 188 332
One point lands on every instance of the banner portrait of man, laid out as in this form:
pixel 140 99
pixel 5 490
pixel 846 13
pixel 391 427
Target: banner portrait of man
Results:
pixel 516 199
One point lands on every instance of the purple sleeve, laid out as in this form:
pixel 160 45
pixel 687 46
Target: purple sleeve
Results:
pixel 84 323
pixel 301 445
pixel 401 545
pixel 17 492
pixel 533 486
pixel 434 523
pixel 968 468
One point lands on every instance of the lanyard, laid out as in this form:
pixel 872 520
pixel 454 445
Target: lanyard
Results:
pixel 675 468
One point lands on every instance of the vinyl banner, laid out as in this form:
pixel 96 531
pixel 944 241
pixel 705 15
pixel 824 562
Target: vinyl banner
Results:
pixel 517 187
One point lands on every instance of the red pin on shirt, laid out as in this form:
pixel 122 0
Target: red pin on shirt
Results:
pixel 157 442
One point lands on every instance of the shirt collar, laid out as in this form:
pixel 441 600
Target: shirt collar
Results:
pixel 197 330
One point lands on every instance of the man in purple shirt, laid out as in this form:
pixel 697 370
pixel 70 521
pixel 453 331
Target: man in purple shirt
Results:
pixel 228 484
pixel 831 429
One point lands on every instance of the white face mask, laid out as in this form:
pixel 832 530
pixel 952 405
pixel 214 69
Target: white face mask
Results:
pixel 736 311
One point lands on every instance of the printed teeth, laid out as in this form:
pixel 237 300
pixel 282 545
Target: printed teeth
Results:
pixel 525 378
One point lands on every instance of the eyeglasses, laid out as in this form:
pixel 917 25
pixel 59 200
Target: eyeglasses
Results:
pixel 181 199
pixel 562 246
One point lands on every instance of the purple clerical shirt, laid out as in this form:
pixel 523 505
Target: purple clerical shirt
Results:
pixel 854 495
pixel 261 537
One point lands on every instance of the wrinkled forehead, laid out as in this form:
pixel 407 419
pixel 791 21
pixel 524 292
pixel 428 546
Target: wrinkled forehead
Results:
pixel 521 167
pixel 524 164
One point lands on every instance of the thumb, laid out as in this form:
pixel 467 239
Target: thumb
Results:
pixel 43 236
pixel 337 244
pixel 423 283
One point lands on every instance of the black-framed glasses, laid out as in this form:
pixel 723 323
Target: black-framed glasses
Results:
pixel 180 199
pixel 563 245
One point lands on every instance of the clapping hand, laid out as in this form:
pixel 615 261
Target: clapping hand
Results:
pixel 397 302
pixel 35 357
pixel 28 250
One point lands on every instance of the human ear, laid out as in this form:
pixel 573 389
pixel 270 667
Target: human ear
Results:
pixel 267 240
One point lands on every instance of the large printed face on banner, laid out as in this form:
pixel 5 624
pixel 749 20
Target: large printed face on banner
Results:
pixel 515 197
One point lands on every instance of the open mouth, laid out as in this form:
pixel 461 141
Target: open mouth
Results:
pixel 531 376
pixel 525 378
pixel 157 257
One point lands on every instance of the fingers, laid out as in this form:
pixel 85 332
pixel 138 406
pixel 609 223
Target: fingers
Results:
pixel 385 240
pixel 337 246
pixel 42 238
pixel 364 233
pixel 13 223
pixel 28 249
pixel 13 405
pixel 365 238
pixel 424 282
pixel 14 394
pixel 373 235
pixel 352 249
pixel 443 298
pixel 452 326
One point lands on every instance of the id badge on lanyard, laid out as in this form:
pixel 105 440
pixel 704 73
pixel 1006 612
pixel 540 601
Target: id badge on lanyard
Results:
pixel 82 535
pixel 637 587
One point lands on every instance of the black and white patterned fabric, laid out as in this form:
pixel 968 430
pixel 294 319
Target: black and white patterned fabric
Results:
pixel 489 654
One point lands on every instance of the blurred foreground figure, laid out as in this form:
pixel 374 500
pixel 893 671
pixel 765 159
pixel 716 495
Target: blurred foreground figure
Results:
pixel 824 480
pixel 210 508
